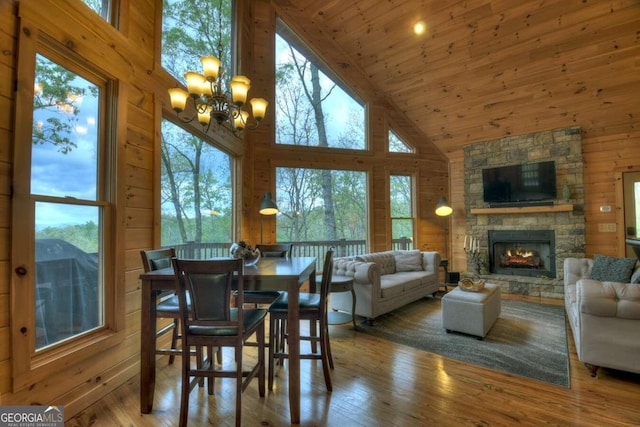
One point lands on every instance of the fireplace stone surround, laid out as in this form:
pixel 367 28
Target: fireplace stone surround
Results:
pixel 564 146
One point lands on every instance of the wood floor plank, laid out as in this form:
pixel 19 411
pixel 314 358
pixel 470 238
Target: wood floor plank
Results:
pixel 380 383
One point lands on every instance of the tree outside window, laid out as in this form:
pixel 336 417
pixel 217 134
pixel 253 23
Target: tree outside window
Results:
pixel 196 193
pixel 311 108
pixel 303 211
pixel 401 208
pixel 397 145
pixel 191 30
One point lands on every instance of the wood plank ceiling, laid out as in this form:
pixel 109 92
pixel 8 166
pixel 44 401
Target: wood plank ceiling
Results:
pixel 481 69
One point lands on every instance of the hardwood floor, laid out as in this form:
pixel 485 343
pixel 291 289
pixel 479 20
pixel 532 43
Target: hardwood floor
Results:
pixel 379 383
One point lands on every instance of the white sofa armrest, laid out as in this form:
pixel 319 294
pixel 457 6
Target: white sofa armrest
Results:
pixel 576 269
pixel 609 299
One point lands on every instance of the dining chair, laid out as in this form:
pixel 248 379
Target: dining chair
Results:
pixel 168 307
pixel 278 250
pixel 210 321
pixel 312 307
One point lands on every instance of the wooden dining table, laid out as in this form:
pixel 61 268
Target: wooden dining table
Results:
pixel 269 274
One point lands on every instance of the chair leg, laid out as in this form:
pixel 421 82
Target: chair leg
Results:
pixel 261 347
pixel 314 333
pixel 239 385
pixel 174 339
pixel 325 353
pixel 199 360
pixel 219 355
pixel 273 342
pixel 326 334
pixel 212 367
pixel 186 385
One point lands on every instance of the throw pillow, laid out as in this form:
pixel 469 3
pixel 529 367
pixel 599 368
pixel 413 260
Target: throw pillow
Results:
pixel 408 260
pixel 635 276
pixel 610 269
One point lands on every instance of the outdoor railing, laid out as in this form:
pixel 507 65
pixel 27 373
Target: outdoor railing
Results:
pixel 318 249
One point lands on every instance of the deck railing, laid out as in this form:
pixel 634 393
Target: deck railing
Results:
pixel 343 248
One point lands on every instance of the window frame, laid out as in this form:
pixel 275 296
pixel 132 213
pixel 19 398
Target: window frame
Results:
pixel 28 364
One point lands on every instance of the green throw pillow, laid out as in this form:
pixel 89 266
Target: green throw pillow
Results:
pixel 610 269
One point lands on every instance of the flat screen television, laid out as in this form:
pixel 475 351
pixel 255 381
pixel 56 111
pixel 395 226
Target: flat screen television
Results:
pixel 520 184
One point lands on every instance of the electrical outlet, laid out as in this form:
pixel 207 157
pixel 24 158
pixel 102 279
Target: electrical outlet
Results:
pixel 608 227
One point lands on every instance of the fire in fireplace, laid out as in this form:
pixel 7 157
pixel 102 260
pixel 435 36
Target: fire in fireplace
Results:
pixel 520 258
pixel 522 252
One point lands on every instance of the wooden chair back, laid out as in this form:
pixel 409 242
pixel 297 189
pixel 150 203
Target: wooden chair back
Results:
pixel 278 250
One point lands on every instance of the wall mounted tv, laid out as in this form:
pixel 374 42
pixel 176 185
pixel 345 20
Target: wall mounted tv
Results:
pixel 526 184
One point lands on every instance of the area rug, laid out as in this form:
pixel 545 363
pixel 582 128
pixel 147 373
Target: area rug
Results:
pixel 528 339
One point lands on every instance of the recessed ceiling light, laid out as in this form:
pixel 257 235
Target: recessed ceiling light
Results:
pixel 419 27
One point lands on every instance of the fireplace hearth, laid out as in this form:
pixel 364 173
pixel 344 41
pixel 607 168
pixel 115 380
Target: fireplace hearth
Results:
pixel 522 252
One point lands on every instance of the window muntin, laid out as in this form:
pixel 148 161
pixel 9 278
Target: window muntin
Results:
pixel 196 194
pixel 311 107
pixel 68 201
pixel 321 205
pixel 397 145
pixel 401 208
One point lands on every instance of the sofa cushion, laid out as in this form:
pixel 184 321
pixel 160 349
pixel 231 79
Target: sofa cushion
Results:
pixel 611 269
pixel 411 279
pixel 385 260
pixel 408 260
pixel 391 286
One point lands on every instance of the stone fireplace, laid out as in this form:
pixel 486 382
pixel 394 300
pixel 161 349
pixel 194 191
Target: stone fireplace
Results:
pixel 556 231
pixel 522 252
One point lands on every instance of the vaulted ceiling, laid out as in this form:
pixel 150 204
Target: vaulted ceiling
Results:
pixel 483 69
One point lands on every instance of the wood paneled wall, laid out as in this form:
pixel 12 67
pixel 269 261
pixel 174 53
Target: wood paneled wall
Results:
pixel 605 106
pixel 130 55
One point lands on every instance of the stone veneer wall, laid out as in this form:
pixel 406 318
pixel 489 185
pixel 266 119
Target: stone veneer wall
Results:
pixel 564 146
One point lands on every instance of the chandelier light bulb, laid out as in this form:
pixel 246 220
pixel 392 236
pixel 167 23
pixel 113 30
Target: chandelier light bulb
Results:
pixel 210 67
pixel 239 89
pixel 195 82
pixel 178 99
pixel 259 108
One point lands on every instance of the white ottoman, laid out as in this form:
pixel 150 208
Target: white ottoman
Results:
pixel 471 312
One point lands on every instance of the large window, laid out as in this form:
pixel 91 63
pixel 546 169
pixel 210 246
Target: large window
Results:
pixel 196 194
pixel 402 217
pixel 63 207
pixel 321 205
pixel 312 109
pixel 196 177
pixel 68 203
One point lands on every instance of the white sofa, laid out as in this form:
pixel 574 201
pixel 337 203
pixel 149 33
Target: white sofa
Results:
pixel 385 281
pixel 604 318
